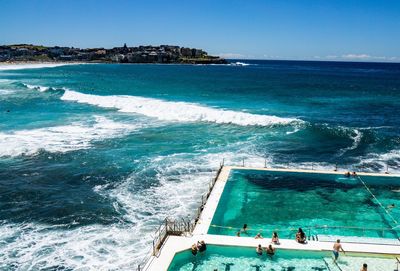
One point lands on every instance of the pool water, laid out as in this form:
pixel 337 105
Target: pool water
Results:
pixel 322 204
pixel 227 258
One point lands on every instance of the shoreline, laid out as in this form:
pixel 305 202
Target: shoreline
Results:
pixel 19 65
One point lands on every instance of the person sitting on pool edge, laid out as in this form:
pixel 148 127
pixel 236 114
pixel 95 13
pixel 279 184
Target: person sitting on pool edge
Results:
pixel 259 250
pixel 270 250
pixel 258 236
pixel 301 236
pixel 364 267
pixel 275 238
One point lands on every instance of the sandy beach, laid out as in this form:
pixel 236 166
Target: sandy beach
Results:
pixel 33 65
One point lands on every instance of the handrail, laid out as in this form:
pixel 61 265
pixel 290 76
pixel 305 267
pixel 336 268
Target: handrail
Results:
pixel 307 166
pixel 177 227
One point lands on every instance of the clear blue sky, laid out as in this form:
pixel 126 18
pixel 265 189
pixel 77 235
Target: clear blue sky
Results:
pixel 284 29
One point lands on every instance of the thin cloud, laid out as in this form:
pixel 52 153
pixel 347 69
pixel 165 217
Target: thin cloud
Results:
pixel 231 55
pixel 362 57
pixel 357 56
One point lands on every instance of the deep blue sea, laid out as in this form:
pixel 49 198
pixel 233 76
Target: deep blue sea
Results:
pixel 93 157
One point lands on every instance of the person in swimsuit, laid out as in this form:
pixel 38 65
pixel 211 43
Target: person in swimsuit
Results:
pixel 258 236
pixel 275 238
pixel 270 250
pixel 364 267
pixel 244 229
pixel 301 236
pixel 201 246
pixel 259 250
pixel 336 248
pixel 194 249
pixel 390 207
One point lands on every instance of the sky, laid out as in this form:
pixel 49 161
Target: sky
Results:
pixel 362 30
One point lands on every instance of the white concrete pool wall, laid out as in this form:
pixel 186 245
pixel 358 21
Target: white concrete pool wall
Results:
pixel 175 244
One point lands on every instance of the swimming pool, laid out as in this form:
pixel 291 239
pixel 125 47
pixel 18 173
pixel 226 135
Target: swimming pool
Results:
pixel 225 258
pixel 322 204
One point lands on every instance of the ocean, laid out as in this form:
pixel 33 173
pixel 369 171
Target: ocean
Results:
pixel 94 156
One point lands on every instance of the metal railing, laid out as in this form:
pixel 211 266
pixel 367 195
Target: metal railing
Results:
pixel 263 162
pixel 206 195
pixel 168 227
pixel 177 227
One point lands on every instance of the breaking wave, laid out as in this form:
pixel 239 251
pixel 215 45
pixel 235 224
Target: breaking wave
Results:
pixel 240 64
pixel 356 136
pixel 34 87
pixel 63 138
pixel 175 111
pixel 6 91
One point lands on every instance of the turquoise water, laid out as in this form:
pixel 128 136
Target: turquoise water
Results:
pixel 321 204
pixel 94 157
pixel 245 259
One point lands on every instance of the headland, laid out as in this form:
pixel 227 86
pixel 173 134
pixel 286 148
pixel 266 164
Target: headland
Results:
pixel 163 54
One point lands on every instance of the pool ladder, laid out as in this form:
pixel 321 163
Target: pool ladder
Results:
pixel 313 238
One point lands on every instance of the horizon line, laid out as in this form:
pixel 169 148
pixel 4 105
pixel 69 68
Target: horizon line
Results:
pixel 314 60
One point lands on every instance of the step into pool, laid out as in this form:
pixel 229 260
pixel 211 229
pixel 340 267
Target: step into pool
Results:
pixel 228 258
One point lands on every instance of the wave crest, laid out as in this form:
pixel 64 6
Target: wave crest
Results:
pixel 5 67
pixel 64 138
pixel 175 111
pixel 34 87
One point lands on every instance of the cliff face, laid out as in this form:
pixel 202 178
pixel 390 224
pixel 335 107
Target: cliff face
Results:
pixel 140 54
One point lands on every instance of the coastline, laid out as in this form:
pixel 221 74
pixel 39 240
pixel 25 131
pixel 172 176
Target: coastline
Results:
pixel 19 65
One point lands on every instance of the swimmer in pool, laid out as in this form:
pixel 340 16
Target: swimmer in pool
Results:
pixel 270 250
pixel 390 206
pixel 259 250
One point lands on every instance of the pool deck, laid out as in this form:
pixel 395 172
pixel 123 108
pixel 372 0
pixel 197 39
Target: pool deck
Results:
pixel 175 244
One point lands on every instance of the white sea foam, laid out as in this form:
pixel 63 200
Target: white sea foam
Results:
pixel 175 111
pixel 34 87
pixel 181 180
pixel 356 136
pixel 39 247
pixel 77 135
pixel 239 64
pixel 382 160
pixel 33 66
pixel 6 91
pixel 6 81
